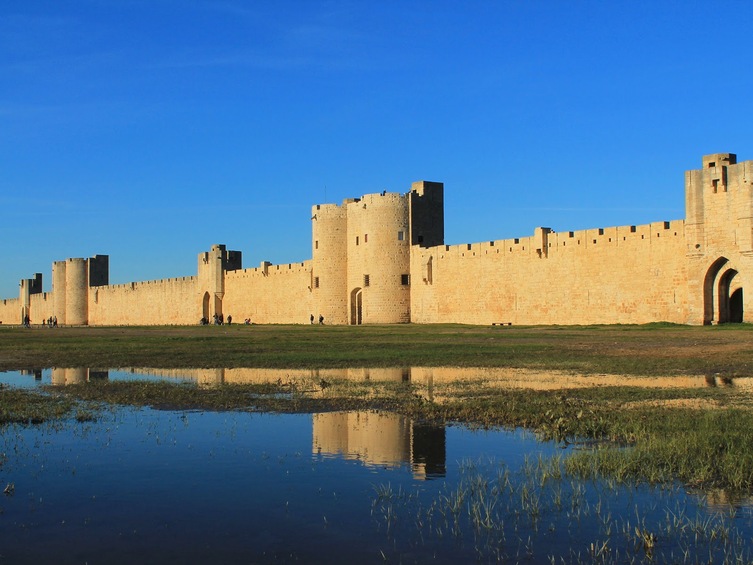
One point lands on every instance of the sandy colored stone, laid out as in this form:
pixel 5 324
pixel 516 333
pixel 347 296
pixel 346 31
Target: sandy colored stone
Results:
pixel 381 258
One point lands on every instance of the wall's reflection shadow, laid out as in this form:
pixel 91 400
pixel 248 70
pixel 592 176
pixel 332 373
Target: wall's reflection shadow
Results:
pixel 424 379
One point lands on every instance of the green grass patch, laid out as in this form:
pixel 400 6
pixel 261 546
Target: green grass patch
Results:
pixel 652 349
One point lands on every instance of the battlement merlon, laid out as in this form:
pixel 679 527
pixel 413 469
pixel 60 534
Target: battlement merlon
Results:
pixel 32 286
pixel 718 160
pixel 228 260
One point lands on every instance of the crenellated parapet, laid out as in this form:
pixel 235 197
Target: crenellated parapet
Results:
pixel 382 258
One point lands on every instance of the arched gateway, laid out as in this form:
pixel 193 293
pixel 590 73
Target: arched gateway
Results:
pixel 722 294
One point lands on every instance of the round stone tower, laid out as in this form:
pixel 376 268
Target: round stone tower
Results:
pixel 58 291
pixel 76 292
pixel 329 226
pixel 378 244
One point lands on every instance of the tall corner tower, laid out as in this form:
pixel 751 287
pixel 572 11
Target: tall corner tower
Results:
pixel 719 239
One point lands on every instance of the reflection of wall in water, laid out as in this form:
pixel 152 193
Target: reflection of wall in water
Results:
pixel 283 376
pixel 383 439
pixel 425 379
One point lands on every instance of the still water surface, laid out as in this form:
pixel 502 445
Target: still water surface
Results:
pixel 148 486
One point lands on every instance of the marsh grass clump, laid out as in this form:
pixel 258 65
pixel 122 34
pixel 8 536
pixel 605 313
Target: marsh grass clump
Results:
pixel 19 406
pixel 275 396
pixel 701 436
pixel 86 415
pixel 701 448
pixel 506 514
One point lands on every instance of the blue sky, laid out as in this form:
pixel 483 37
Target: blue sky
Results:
pixel 150 130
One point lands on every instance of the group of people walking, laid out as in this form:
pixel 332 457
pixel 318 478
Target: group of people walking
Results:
pixel 51 322
pixel 218 320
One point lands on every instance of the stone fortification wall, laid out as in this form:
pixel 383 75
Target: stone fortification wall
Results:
pixel 381 258
pixel 31 302
pixel 40 307
pixel 10 311
pixel 378 248
pixel 269 294
pixel 629 274
pixel 167 301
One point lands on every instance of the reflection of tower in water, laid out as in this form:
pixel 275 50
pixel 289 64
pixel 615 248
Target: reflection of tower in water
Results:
pixel 381 439
pixel 36 373
pixel 76 375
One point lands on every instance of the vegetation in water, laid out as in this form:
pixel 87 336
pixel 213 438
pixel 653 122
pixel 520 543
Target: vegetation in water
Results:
pixel 28 407
pixel 509 515
pixel 701 436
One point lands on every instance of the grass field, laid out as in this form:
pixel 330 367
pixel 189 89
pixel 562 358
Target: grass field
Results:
pixel 654 349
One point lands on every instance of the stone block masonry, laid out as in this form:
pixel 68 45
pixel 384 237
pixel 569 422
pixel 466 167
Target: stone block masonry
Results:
pixel 381 258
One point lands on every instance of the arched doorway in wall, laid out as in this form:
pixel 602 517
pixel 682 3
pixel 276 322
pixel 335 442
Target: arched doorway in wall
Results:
pixel 710 313
pixel 218 305
pixel 722 294
pixel 205 306
pixel 356 307
pixel 724 286
pixel 736 306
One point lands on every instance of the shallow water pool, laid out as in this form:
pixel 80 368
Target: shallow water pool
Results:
pixel 149 486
